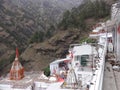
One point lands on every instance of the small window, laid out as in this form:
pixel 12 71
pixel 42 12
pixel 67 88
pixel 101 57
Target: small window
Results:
pixel 84 60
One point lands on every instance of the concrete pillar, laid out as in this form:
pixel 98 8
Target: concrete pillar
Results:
pixel 118 45
pixel 114 39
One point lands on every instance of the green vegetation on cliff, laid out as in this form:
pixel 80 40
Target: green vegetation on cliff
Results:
pixel 49 43
pixel 77 16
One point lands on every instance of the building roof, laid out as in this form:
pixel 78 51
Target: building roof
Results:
pixel 84 50
pixel 97 29
pixel 61 60
pixel 56 86
pixel 26 82
pixel 107 35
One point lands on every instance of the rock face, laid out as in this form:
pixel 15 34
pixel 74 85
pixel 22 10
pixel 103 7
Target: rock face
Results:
pixel 19 19
pixel 38 56
pixel 15 30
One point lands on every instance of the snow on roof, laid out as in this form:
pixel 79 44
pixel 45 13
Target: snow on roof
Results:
pixel 84 50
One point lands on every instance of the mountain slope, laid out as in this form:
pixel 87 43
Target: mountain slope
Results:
pixel 70 30
pixel 38 56
pixel 20 19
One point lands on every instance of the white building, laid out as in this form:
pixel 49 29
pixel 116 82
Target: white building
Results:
pixel 115 17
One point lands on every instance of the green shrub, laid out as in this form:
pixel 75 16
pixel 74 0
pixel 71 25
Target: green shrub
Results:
pixel 37 37
pixel 47 71
pixel 88 40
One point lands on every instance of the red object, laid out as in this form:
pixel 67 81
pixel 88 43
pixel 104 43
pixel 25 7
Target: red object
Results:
pixel 60 79
pixel 119 29
pixel 17 70
pixel 17 53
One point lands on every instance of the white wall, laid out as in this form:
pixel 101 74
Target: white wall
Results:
pixel 5 87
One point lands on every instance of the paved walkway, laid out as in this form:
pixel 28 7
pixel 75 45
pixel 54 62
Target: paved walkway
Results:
pixel 109 81
pixel 117 76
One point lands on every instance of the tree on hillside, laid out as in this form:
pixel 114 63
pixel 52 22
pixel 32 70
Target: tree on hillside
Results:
pixel 37 37
pixel 77 16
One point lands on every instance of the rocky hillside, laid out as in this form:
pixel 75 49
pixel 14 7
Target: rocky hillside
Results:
pixel 74 27
pixel 46 11
pixel 15 27
pixel 20 19
pixel 38 56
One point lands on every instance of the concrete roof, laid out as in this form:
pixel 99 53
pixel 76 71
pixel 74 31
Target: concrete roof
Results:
pixel 84 50
pixel 108 35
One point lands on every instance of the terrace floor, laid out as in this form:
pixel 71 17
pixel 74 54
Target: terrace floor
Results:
pixel 111 79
